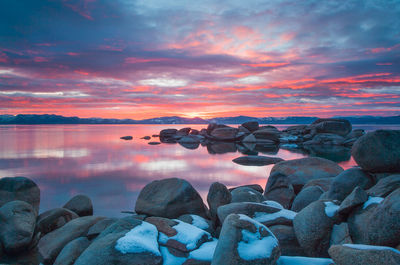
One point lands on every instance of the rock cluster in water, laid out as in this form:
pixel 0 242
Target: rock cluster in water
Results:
pixel 310 212
pixel 328 138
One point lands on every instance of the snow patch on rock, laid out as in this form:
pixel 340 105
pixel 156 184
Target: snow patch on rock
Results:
pixel 372 200
pixel 331 209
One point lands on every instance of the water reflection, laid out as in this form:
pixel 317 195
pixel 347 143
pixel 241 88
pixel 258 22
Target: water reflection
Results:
pixel 65 160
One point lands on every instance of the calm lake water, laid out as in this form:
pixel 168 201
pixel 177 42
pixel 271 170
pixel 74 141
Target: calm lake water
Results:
pixel 65 160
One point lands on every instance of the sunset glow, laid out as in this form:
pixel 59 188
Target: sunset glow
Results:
pixel 150 58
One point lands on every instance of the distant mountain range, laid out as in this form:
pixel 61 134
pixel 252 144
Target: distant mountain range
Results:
pixel 57 119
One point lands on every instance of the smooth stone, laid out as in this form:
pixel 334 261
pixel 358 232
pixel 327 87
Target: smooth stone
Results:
pixel 364 255
pixel 326 139
pixel 385 186
pixel 340 127
pixel 169 198
pixel 103 250
pixel 357 197
pixel 313 226
pixel 184 131
pixel 300 171
pixel 236 243
pixel 378 151
pixel 52 243
pixel 224 134
pixel 81 205
pixel 323 183
pixel 17 225
pixel 280 189
pixel 249 139
pixel 246 194
pixel 267 134
pixel 54 219
pixel 99 227
pixel 212 126
pixel 19 188
pixel 344 183
pixel 358 222
pixel 251 125
pixel 305 197
pixel 253 160
pixel 340 235
pixel 256 187
pixel 126 137
pixel 72 251
pixel 287 240
pixel 218 195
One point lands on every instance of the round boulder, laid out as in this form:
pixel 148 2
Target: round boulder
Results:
pixel 169 198
pixel 54 219
pixel 378 151
pixel 305 197
pixel 337 126
pixel 81 205
pixel 19 188
pixel 17 225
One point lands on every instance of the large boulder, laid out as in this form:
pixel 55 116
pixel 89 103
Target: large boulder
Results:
pixel 385 186
pixel 267 135
pixel 358 222
pixel 19 188
pixel 218 195
pixel 251 125
pixel 287 240
pixel 212 126
pixel 356 197
pixel 313 227
pixel 52 243
pixel 17 225
pixel 81 205
pixel 323 183
pixel 224 134
pixel 170 198
pixel 54 219
pixel 344 183
pixel 72 251
pixel 326 139
pixel 100 226
pixel 305 197
pixel 337 126
pixel 123 243
pixel 355 254
pixel 255 160
pixel 245 241
pixel 280 189
pixel 384 223
pixel 300 171
pixel 378 151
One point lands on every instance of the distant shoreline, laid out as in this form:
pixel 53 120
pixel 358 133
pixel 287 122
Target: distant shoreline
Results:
pixel 47 119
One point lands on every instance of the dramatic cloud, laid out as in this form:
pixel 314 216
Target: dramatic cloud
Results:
pixel 146 58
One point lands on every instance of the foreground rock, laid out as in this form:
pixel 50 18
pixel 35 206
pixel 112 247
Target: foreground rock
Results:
pixel 378 151
pixel 305 197
pixel 245 241
pixel 19 188
pixel 385 186
pixel 218 195
pixel 287 240
pixel 300 171
pixel 51 244
pixel 313 226
pixel 72 251
pixel 81 205
pixel 170 198
pixel 128 241
pixel 54 219
pixel 364 254
pixel 253 160
pixel 17 225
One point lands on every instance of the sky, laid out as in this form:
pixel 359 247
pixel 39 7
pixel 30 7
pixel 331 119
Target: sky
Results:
pixel 149 58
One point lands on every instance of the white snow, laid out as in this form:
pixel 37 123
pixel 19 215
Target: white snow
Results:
pixel 142 238
pixel 169 259
pixel 273 204
pixel 265 217
pixel 187 234
pixel 253 246
pixel 205 251
pixel 331 209
pixel 288 260
pixel 372 200
pixel 251 193
pixel 370 247
pixel 199 222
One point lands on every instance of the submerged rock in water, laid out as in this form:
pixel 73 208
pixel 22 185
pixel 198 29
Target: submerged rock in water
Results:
pixel 126 137
pixel 252 160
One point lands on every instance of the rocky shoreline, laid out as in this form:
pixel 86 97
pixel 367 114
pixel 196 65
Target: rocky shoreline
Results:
pixel 327 138
pixel 311 211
